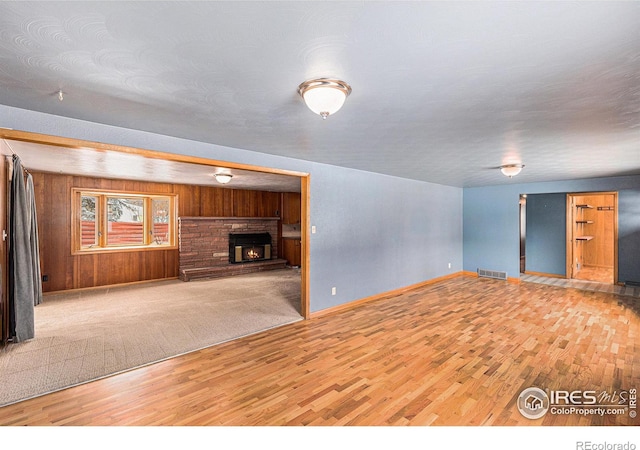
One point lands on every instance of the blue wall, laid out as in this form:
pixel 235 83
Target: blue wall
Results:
pixel 546 236
pixel 375 233
pixel 491 222
pixel 629 235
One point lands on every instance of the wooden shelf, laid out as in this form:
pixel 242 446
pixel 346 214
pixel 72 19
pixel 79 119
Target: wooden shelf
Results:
pixel 584 238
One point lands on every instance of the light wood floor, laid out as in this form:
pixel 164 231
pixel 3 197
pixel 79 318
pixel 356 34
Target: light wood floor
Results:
pixel 457 352
pixel 633 291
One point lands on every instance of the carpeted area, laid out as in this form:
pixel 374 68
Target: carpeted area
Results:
pixel 86 335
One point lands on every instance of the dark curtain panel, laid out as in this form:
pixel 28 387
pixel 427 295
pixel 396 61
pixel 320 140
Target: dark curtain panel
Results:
pixel 25 288
pixel 33 240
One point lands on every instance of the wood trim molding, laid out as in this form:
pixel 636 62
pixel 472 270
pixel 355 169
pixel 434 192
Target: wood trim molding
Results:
pixel 569 226
pixel 102 224
pixel 615 237
pixel 80 144
pixel 107 287
pixel 354 304
pixel 569 236
pixel 305 227
pixel 305 182
pixel 542 274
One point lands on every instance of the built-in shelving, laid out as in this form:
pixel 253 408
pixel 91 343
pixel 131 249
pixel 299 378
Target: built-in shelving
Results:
pixel 582 206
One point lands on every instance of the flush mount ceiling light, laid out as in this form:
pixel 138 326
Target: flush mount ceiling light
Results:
pixel 223 178
pixel 511 170
pixel 324 96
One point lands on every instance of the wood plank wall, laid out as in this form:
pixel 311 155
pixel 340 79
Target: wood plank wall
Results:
pixel 66 271
pixel 598 252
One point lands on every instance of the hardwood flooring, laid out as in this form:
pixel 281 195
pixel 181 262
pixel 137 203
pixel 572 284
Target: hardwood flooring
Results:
pixel 457 352
pixel 632 291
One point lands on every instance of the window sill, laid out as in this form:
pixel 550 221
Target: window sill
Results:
pixel 132 248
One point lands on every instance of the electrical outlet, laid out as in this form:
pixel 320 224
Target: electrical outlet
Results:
pixel 449 265
pixel 313 229
pixel 333 291
pixel 45 278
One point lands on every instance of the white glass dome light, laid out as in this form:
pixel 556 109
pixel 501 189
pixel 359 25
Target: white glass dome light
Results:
pixel 223 178
pixel 324 96
pixel 511 170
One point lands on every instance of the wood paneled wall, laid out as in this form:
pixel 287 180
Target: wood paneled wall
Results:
pixel 599 252
pixel 66 271
pixel 291 207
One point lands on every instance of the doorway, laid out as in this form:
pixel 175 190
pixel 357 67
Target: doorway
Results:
pixel 523 232
pixel 74 145
pixel 592 237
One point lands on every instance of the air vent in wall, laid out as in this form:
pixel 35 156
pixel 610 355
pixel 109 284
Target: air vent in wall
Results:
pixel 492 274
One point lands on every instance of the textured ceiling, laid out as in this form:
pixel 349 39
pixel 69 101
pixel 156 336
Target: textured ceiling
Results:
pixel 130 166
pixel 442 91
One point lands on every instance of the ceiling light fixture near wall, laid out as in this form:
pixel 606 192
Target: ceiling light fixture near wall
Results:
pixel 324 96
pixel 223 178
pixel 511 170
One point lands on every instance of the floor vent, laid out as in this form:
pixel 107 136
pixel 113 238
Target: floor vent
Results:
pixel 492 274
pixel 632 283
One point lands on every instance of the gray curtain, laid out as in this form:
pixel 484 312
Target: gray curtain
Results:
pixel 25 287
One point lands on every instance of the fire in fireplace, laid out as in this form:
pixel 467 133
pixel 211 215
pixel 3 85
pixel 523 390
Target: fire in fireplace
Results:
pixel 249 247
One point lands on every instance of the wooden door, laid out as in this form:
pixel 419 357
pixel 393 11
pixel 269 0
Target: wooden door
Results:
pixel 592 235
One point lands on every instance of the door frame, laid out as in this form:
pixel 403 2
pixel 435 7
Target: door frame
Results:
pixel 570 241
pixel 305 185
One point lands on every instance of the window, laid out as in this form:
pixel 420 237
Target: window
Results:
pixel 106 221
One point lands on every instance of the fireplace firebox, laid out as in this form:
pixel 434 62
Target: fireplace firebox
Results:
pixel 249 247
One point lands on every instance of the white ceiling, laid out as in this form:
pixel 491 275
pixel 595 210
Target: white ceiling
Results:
pixel 442 91
pixel 131 166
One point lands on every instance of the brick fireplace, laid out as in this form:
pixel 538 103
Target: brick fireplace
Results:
pixel 204 245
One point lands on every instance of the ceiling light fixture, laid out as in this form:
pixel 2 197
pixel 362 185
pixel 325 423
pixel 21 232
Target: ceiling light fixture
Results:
pixel 511 170
pixel 223 178
pixel 324 96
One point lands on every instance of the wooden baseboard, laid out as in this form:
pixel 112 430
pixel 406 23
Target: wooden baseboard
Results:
pixel 108 286
pixel 350 305
pixel 543 274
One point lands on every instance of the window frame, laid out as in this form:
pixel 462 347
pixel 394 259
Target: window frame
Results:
pixel 102 219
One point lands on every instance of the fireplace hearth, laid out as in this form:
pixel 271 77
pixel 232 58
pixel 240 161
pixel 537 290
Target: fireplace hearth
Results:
pixel 249 247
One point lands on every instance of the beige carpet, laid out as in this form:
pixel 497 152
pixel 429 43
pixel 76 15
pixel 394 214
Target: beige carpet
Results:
pixel 83 336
